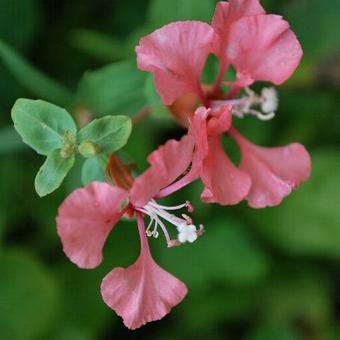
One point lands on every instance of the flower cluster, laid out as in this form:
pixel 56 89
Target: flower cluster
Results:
pixel 260 47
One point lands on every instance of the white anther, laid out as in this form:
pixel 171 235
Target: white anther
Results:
pixel 149 233
pixel 155 233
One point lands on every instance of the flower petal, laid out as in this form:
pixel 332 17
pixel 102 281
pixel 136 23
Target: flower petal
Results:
pixel 85 219
pixel 224 182
pixel 263 47
pixel 220 121
pixel 143 292
pixel 176 54
pixel 198 130
pixel 168 162
pixel 274 171
pixel 226 13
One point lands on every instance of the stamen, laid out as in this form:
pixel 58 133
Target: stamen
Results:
pixel 187 205
pixel 147 231
pixel 187 218
pixel 184 226
pixel 268 102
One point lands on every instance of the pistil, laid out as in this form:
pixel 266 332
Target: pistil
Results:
pixel 187 231
pixel 268 102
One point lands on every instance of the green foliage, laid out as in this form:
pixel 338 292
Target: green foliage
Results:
pixel 299 294
pixel 115 88
pixel 26 12
pixel 315 21
pixel 316 24
pixel 42 125
pixel 108 134
pixel 163 12
pixel 275 330
pixel 32 79
pixel 28 297
pixel 97 44
pixel 52 172
pixel 51 131
pixel 92 170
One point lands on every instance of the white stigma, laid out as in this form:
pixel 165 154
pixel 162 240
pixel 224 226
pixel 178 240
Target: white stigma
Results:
pixel 187 231
pixel 268 103
pixel 270 100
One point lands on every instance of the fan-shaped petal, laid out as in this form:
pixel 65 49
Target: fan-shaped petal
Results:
pixel 176 54
pixel 85 219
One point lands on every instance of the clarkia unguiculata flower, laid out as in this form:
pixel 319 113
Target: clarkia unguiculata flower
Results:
pixel 260 47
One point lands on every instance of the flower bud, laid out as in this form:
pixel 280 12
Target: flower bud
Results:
pixel 88 149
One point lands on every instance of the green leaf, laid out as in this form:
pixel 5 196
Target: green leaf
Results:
pixel 28 297
pixel 92 171
pixel 163 12
pixel 308 221
pixel 52 172
pixel 116 88
pixel 109 133
pixel 42 125
pixel 225 252
pixel 32 79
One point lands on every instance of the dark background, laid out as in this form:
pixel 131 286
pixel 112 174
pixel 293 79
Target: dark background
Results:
pixel 255 274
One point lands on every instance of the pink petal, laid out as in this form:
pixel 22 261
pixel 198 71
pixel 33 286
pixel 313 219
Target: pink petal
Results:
pixel 199 135
pixel 143 292
pixel 198 130
pixel 226 13
pixel 263 48
pixel 274 171
pixel 85 219
pixel 176 54
pixel 168 162
pixel 220 121
pixel 224 183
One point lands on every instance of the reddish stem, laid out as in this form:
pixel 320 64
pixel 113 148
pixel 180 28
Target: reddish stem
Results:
pixel 145 250
pixel 141 115
pixel 220 77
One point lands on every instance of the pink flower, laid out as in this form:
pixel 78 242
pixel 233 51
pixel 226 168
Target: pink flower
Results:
pixel 264 177
pixel 260 47
pixel 143 292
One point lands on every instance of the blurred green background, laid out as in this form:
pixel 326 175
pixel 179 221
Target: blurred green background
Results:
pixel 255 274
